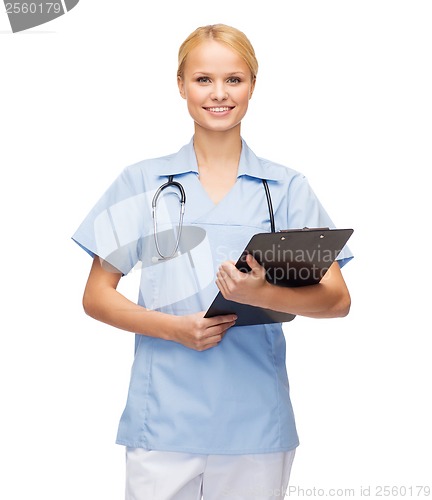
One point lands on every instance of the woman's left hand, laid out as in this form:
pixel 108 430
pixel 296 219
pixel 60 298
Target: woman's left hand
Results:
pixel 239 286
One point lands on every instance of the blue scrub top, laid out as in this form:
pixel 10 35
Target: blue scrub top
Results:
pixel 233 398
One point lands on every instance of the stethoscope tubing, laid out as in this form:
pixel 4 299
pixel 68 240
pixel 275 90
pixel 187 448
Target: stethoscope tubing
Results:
pixel 182 198
pixel 270 205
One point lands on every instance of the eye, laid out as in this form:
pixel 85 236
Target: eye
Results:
pixel 234 79
pixel 203 79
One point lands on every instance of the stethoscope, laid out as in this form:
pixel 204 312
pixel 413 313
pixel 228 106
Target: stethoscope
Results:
pixel 182 199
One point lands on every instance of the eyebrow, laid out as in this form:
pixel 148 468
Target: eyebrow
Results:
pixel 209 73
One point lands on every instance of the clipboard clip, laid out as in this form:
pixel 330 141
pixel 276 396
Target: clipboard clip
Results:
pixel 304 229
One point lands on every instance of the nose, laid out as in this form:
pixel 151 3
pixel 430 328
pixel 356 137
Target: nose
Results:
pixel 219 93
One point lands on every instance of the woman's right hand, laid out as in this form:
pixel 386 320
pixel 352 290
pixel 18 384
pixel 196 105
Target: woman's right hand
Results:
pixel 103 302
pixel 199 333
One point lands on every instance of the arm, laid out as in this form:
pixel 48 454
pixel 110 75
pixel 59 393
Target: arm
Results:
pixel 328 299
pixel 103 302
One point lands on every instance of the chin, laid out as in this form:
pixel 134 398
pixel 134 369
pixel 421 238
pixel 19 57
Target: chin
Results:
pixel 220 127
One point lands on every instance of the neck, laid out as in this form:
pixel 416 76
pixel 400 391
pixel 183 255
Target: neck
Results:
pixel 217 148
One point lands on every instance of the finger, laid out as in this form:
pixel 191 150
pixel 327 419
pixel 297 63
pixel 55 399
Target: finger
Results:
pixel 218 334
pixel 257 270
pixel 221 328
pixel 224 282
pixel 228 263
pixel 211 341
pixel 206 347
pixel 223 287
pixel 214 339
pixel 252 262
pixel 221 320
pixel 228 270
pixel 230 275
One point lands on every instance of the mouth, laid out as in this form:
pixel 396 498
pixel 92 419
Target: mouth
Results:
pixel 220 109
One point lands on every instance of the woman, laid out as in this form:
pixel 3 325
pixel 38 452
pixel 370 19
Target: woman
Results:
pixel 208 410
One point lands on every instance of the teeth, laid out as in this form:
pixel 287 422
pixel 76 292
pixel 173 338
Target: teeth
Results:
pixel 218 110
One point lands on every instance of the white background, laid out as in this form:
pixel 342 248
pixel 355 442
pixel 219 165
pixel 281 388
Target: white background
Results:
pixel 343 95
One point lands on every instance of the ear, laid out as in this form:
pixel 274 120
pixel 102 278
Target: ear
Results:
pixel 252 88
pixel 180 84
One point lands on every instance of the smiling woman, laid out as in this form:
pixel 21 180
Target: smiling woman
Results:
pixel 216 75
pixel 208 405
pixel 217 85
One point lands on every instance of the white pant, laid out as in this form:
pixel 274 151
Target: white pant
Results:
pixel 162 475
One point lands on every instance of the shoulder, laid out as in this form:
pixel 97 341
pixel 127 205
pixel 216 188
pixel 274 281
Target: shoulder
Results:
pixel 284 172
pixel 149 165
pixel 264 168
pixel 285 176
pixel 150 170
pixel 146 174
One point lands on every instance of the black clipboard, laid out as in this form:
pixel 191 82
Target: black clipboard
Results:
pixel 291 258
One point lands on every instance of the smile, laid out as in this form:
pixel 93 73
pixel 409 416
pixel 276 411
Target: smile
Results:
pixel 220 109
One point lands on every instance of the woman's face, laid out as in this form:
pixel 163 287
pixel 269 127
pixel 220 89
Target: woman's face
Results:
pixel 217 85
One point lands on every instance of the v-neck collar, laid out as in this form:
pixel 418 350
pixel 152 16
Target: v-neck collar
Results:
pixel 249 164
pixel 212 205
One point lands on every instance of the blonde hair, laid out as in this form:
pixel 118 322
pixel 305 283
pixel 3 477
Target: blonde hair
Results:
pixel 232 37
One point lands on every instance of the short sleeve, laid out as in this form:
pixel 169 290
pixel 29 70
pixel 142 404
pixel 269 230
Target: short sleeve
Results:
pixel 114 227
pixel 305 210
